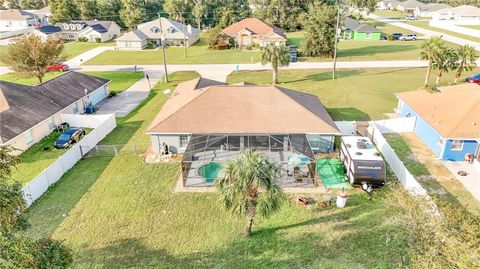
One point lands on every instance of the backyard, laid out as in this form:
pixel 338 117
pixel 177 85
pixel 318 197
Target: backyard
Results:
pixel 357 94
pixel 119 212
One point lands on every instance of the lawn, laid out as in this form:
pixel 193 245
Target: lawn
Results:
pixel 35 159
pixel 120 80
pixel 425 25
pixel 357 94
pixel 121 213
pixel 476 27
pixel 432 177
pixel 199 53
pixel 391 14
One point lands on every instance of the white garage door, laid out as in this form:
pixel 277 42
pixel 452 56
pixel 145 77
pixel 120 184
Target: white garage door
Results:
pixel 97 95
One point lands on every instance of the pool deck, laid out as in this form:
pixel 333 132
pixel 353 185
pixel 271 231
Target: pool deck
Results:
pixel 196 183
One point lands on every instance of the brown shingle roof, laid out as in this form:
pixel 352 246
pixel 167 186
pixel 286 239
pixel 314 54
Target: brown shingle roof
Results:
pixel 256 26
pixel 16 15
pixel 241 109
pixel 454 112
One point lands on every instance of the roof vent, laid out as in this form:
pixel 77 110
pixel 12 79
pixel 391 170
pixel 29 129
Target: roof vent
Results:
pixel 349 146
pixel 376 154
pixel 361 145
pixel 358 153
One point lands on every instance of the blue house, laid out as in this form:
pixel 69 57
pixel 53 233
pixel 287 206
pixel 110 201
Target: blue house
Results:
pixel 447 121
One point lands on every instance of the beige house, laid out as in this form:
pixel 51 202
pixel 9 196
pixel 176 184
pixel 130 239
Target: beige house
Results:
pixel 92 30
pixel 252 31
pixel 428 10
pixel 29 113
pixel 133 40
pixel 15 19
pixel 465 13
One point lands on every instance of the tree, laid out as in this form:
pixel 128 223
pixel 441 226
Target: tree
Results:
pixel 62 11
pixel 467 56
pixel 198 10
pixel 286 14
pixel 32 4
pixel 320 28
pixel 277 55
pixel 446 60
pixel 250 187
pixel 30 56
pixel 88 9
pixel 430 51
pixel 108 10
pixel 177 9
pixel 16 250
pixel 132 13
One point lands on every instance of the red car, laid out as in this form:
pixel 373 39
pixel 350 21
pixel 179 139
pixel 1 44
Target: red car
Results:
pixel 473 79
pixel 58 68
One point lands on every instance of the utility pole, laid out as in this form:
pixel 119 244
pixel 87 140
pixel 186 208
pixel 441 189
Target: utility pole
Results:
pixel 162 41
pixel 184 40
pixel 336 42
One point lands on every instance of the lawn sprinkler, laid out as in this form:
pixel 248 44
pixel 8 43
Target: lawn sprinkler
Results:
pixel 368 188
pixel 342 199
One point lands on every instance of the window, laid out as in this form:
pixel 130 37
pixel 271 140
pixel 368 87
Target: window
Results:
pixel 28 137
pixel 183 140
pixel 75 108
pixel 51 123
pixel 457 145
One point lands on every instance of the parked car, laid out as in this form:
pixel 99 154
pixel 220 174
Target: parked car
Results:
pixel 69 137
pixel 58 67
pixel 474 79
pixel 397 35
pixel 411 18
pixel 409 37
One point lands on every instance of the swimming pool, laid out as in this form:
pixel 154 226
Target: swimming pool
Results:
pixel 211 171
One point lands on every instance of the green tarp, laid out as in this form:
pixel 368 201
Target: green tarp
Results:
pixel 331 173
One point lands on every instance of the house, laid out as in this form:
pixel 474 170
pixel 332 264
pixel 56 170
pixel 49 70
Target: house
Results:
pixel 252 31
pixel 427 10
pixel 15 19
pixel 465 13
pixel 29 113
pixel 409 6
pixel 393 5
pixel 386 5
pixel 43 14
pixel 353 29
pixel 447 121
pixel 48 32
pixel 210 122
pixel 175 34
pixel 91 30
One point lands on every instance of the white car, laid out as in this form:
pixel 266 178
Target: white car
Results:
pixel 409 37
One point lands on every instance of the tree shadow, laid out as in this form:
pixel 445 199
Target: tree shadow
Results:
pixel 325 75
pixel 347 114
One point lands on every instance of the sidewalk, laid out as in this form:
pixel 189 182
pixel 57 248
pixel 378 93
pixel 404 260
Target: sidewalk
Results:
pixel 80 59
pixel 128 100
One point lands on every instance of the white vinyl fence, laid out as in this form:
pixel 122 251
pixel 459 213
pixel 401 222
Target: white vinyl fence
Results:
pixel 398 125
pixel 401 172
pixel 102 124
pixel 347 127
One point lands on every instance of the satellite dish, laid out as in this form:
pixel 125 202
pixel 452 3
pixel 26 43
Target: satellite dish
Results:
pixel 167 91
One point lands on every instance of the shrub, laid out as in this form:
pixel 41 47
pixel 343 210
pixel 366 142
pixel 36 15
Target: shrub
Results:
pixel 150 45
pixel 82 39
pixel 249 47
pixel 113 93
pixel 49 253
pixel 98 39
pixel 390 37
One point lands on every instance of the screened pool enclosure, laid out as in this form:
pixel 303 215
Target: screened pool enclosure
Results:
pixel 205 155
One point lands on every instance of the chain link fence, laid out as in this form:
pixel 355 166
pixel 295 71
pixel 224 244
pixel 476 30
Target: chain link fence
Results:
pixel 116 150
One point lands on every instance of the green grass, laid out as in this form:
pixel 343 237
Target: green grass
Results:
pixel 76 48
pixel 392 14
pixel 121 213
pixel 476 27
pixel 34 160
pixel 416 168
pixel 357 94
pixel 424 24
pixel 199 53
pixel 120 80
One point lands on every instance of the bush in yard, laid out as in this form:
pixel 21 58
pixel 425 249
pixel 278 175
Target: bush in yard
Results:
pixel 217 40
pixel 390 37
pixel 51 253
pixel 319 31
pixel 82 39
pixel 113 93
pixel 98 39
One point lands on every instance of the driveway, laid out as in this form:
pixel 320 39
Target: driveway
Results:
pixel 449 38
pixel 126 101
pixel 471 181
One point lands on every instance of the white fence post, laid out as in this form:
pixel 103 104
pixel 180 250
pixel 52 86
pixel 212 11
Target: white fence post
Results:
pixel 102 124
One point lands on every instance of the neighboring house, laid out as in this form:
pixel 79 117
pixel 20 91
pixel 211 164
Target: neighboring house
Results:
pixel 175 34
pixel 387 5
pixel 353 29
pixel 210 122
pixel 29 113
pixel 428 10
pixel 447 121
pixel 409 6
pixel 465 13
pixel 252 31
pixel 43 14
pixel 105 30
pixel 15 19
pixel 393 5
pixel 48 32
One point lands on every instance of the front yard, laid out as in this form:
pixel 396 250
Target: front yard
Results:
pixel 425 25
pixel 121 213
pixel 357 94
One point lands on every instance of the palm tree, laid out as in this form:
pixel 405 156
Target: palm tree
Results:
pixel 249 186
pixel 467 56
pixel 444 61
pixel 430 52
pixel 277 55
